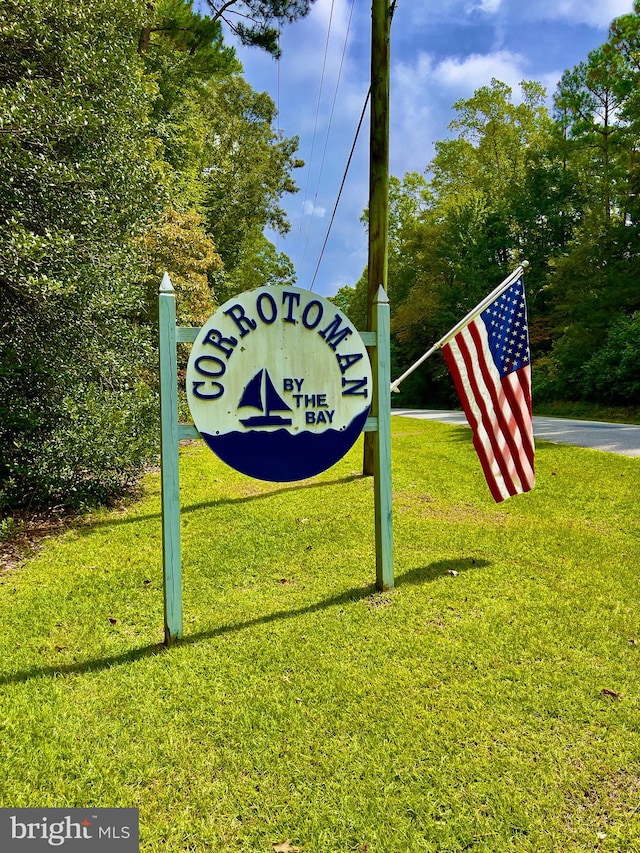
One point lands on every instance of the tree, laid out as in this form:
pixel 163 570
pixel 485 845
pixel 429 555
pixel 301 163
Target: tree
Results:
pixel 624 37
pixel 589 101
pixel 478 180
pixel 178 245
pixel 456 235
pixel 594 278
pixel 353 301
pixel 259 264
pixel 124 128
pixel 246 166
pixel 501 135
pixel 78 182
pixel 195 37
pixel 183 51
pixel 226 162
pixel 612 373
pixel 265 18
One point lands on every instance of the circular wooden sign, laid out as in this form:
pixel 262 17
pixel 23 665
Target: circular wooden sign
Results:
pixel 279 383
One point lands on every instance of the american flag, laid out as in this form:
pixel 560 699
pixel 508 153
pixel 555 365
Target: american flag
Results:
pixel 489 361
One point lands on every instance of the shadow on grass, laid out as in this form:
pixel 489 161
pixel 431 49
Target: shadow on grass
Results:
pixel 422 574
pixel 185 508
pixel 425 574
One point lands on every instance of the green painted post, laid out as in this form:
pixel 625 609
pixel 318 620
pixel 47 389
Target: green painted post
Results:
pixel 169 463
pixel 382 444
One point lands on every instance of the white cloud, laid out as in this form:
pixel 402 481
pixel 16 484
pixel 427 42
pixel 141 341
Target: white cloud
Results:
pixel 415 84
pixel 468 74
pixel 423 92
pixel 310 209
pixel 595 14
pixel 489 6
pixel 413 129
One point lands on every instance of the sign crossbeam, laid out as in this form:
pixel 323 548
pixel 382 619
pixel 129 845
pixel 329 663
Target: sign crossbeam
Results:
pixel 172 432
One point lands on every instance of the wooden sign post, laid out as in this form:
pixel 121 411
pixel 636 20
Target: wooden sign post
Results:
pixel 169 438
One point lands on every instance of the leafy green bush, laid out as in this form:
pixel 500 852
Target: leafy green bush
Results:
pixel 78 182
pixel 613 373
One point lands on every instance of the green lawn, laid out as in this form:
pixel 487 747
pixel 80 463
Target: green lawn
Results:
pixel 463 710
pixel 589 412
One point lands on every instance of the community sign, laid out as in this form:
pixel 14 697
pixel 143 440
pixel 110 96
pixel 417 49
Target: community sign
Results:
pixel 279 383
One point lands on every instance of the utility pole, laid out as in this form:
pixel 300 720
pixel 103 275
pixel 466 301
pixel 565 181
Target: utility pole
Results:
pixel 381 11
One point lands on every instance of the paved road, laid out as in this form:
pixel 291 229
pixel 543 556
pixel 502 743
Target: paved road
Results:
pixel 611 438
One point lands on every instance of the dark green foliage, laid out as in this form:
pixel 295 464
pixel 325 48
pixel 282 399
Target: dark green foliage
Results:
pixel 612 375
pixel 111 118
pixel 77 183
pixel 592 290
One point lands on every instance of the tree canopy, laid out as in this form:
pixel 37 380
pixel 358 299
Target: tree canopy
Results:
pixel 125 130
pixel 517 181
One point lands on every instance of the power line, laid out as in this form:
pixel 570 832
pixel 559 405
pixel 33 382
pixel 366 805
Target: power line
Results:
pixel 392 9
pixel 315 126
pixel 329 125
pixel 344 178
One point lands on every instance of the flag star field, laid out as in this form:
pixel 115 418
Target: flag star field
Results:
pixel 507 329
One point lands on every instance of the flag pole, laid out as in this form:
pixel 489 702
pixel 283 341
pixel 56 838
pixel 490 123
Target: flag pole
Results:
pixel 508 281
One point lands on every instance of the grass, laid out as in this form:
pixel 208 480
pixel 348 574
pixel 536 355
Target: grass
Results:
pixel 589 411
pixel 464 710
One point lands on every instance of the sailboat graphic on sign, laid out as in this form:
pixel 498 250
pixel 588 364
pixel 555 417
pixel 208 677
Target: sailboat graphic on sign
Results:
pixel 260 394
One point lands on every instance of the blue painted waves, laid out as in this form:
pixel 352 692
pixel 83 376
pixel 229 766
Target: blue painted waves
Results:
pixel 281 457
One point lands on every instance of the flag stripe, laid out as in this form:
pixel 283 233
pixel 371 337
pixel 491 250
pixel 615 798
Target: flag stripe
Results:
pixel 503 420
pixel 478 376
pixel 487 435
pixel 489 362
pixel 482 444
pixel 452 354
pixel 506 407
pixel 517 390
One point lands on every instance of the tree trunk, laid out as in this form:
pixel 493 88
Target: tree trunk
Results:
pixel 144 40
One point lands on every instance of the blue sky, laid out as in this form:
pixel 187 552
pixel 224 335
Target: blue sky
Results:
pixel 440 52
